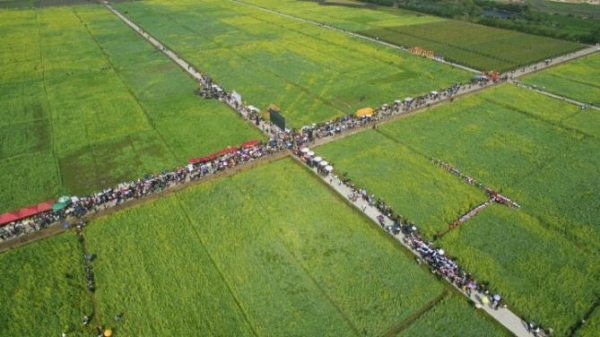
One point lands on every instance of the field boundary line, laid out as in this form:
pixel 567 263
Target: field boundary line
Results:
pixel 414 317
pixel 212 260
pixel 323 292
pixel 49 119
pixel 131 93
pixel 357 35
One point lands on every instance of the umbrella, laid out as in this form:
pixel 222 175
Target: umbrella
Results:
pixel 398 101
pixel 304 149
pixel 58 206
pixel 328 168
pixel 485 299
pixel 310 153
pixel 434 92
pixel 64 198
pixel 441 252
pixel 323 163
pixel 317 159
pixel 497 298
pixel 108 333
pixel 408 99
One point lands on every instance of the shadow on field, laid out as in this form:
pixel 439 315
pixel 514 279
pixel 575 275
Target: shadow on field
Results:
pixel 342 4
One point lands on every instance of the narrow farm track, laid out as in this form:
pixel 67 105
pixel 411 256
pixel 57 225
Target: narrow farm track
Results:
pixel 412 318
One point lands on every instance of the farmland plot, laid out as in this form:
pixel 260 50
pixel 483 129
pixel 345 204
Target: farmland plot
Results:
pixel 79 113
pixel 357 17
pixel 314 74
pixel 543 276
pixel 43 289
pixel 578 79
pixel 532 148
pixel 409 183
pixel 479 47
pixel 450 310
pixel 246 256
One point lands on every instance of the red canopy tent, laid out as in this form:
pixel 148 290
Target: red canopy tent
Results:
pixel 25 212
pixel 227 150
pixel 250 143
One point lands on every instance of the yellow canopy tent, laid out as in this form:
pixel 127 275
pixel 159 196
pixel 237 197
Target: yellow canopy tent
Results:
pixel 364 112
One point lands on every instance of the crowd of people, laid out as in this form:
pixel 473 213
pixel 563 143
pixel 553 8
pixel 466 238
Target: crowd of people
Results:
pixel 427 252
pixel 149 184
pixel 494 195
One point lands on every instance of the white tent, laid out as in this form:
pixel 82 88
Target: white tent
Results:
pixel 310 153
pixel 304 149
pixel 434 93
pixel 317 159
pixel 328 168
pixel 323 163
pixel 408 99
pixel 236 97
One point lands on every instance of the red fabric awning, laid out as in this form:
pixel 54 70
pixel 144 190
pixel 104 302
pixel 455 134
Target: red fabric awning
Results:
pixel 25 212
pixel 250 143
pixel 227 150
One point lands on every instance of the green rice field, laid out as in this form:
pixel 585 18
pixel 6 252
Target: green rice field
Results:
pixel 479 47
pixel 541 275
pixel 535 150
pixel 409 183
pixel 445 314
pixel 312 73
pixel 249 261
pixel 85 103
pixel 43 289
pixel 579 79
pixel 532 148
pixel 79 113
pixel 475 46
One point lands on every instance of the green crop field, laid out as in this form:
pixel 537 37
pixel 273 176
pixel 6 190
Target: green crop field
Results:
pixel 409 183
pixel 450 310
pixel 268 251
pixel 479 47
pixel 80 112
pixel 579 79
pixel 541 275
pixel 43 289
pixel 346 14
pixel 534 149
pixel 314 74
